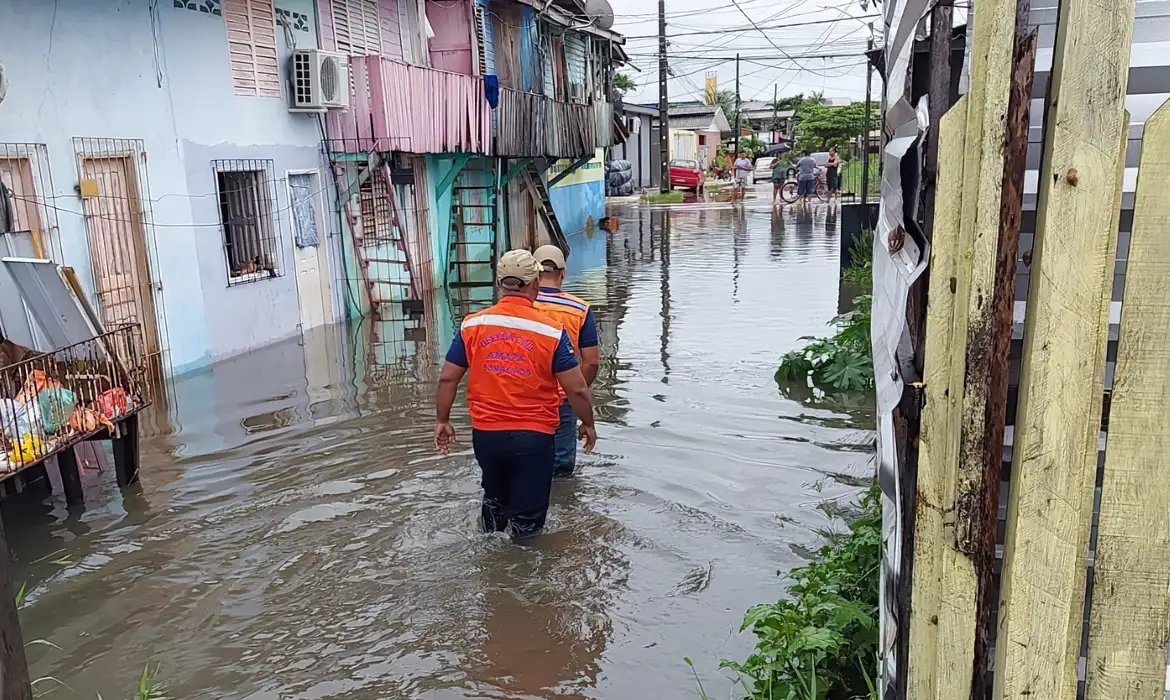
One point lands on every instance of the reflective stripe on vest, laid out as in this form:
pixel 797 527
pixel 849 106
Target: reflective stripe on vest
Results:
pixel 568 310
pixel 510 384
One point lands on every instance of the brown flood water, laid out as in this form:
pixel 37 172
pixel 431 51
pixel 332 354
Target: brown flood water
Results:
pixel 295 536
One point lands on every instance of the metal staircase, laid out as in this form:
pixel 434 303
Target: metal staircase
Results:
pixel 472 245
pixel 380 245
pixel 539 193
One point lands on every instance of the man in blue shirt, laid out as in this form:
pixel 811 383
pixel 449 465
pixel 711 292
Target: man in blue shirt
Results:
pixel 577 318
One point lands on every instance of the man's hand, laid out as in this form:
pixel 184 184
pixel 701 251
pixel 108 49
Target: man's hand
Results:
pixel 444 435
pixel 589 434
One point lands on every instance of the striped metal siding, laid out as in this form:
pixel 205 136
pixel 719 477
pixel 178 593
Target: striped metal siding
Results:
pixel 1148 88
pixel 530 63
pixel 251 33
pixel 575 58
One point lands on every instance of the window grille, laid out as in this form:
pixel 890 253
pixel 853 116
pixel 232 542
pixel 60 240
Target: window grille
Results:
pixel 247 211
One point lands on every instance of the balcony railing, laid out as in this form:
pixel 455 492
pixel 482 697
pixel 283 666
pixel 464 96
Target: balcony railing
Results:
pixel 400 107
pixel 530 124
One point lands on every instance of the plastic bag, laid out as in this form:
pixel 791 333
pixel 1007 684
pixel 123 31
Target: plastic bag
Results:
pixel 56 405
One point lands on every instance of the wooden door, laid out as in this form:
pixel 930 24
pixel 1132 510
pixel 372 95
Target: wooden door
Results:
pixel 117 250
pixel 312 261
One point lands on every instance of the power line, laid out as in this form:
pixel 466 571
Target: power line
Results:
pixel 735 30
pixel 115 219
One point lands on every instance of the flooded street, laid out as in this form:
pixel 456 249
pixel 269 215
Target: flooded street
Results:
pixel 296 536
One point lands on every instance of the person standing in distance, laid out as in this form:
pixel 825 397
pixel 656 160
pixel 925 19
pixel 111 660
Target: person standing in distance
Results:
pixel 806 177
pixel 577 318
pixel 833 173
pixel 516 359
pixel 743 172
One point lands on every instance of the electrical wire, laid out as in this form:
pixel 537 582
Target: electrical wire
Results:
pixel 115 219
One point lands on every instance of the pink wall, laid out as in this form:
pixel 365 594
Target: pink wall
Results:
pixel 450 48
pixel 389 29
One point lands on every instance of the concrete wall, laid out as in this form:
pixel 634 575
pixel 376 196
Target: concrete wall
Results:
pixel 80 68
pixel 579 199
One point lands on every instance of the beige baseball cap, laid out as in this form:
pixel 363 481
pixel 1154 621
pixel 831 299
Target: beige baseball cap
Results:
pixel 517 264
pixel 550 255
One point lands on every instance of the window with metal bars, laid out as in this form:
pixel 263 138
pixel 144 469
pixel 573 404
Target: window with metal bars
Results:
pixel 247 211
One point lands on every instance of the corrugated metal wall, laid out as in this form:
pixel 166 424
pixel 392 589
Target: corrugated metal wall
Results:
pixel 529 56
pixel 575 58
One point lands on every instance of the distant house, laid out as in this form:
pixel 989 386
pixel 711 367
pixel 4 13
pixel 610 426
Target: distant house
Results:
pixel 761 115
pixel 696 132
pixel 640 148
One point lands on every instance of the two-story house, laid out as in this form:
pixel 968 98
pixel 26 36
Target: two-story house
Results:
pixel 473 127
pixel 150 145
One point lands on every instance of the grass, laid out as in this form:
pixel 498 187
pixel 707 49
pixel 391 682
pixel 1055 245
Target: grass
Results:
pixel 672 197
pixel 859 274
pixel 851 176
pixel 821 641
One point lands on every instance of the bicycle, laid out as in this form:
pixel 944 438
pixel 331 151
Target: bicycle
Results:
pixel 788 192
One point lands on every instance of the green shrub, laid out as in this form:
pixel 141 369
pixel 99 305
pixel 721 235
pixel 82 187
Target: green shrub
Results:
pixel 859 273
pixel 822 644
pixel 841 363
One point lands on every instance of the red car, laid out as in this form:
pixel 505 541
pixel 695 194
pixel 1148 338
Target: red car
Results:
pixel 686 173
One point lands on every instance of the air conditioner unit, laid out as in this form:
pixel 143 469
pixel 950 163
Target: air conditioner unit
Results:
pixel 320 81
pixel 576 91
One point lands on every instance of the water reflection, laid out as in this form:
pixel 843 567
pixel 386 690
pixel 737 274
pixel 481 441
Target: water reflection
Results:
pixel 295 536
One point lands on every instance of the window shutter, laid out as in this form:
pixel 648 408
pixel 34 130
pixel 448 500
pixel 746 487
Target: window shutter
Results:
pixel 356 27
pixel 480 41
pixel 251 34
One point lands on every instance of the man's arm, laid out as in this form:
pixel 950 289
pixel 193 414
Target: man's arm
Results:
pixel 568 373
pixel 588 342
pixel 577 391
pixel 453 370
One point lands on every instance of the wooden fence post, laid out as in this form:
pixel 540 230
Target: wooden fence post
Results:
pixel 1061 378
pixel 1130 617
pixel 942 595
pixel 977 226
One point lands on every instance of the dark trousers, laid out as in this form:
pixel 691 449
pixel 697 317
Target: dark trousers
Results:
pixel 517 468
pixel 565 440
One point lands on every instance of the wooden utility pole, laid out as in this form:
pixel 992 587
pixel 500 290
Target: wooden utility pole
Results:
pixel 736 106
pixel 14 680
pixel 775 98
pixel 663 104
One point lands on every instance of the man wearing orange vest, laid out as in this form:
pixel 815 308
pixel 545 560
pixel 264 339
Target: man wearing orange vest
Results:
pixel 577 318
pixel 517 360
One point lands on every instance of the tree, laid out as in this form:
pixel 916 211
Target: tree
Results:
pixel 725 100
pixel 622 83
pixel 820 127
pixel 792 102
pixel 752 145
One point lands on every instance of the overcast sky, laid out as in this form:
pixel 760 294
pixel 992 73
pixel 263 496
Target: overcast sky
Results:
pixel 694 55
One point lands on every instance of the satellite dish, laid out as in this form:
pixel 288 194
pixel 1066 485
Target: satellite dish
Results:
pixel 600 12
pixel 3 82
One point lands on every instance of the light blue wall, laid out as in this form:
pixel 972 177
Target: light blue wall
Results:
pixel 579 208
pixel 575 57
pixel 101 69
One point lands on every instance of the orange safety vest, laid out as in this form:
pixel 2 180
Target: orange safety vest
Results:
pixel 566 308
pixel 570 311
pixel 510 385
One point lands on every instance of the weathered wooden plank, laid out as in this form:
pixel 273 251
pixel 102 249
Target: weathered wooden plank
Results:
pixel 1062 372
pixel 1130 617
pixel 991 298
pixel 942 634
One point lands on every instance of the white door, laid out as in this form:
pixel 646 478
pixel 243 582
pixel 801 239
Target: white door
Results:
pixel 312 261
